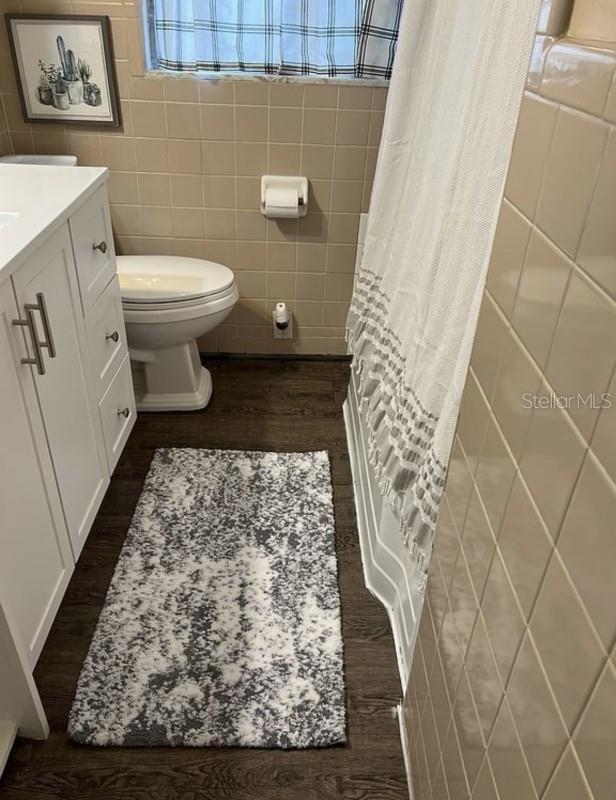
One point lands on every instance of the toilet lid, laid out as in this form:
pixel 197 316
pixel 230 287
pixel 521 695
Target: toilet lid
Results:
pixel 155 279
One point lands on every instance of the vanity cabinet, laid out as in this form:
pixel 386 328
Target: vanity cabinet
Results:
pixel 67 409
pixel 48 283
pixel 37 561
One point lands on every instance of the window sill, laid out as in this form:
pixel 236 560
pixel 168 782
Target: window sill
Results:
pixel 158 74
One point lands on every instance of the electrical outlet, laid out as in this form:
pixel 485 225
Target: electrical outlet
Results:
pixel 284 333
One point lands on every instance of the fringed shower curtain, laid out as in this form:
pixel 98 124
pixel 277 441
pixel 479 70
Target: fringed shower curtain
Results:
pixel 451 114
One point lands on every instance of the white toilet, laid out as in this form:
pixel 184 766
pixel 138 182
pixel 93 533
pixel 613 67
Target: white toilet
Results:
pixel 169 302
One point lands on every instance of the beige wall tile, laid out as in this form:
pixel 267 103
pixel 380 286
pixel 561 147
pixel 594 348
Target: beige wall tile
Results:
pixel 604 438
pixel 571 654
pixel 148 119
pixel 505 624
pixel 286 94
pixel 183 121
pixel 583 364
pixel 531 699
pixel 597 254
pixel 319 126
pixel 495 472
pixel 284 159
pixel 510 243
pixel 188 223
pixel 251 93
pixel 571 171
pixel 219 191
pixel 517 376
pixel 488 346
pixel 184 156
pixel 554 16
pixel 152 155
pixel 472 421
pixel 217 122
pixel 551 460
pixel 530 150
pixel 540 295
pixel 539 53
pixel 594 19
pixel 568 782
pixel 251 124
pixel 250 158
pixel 590 558
pixel 218 158
pixel 511 774
pixel 467 724
pixel 595 738
pixel 578 76
pixel 483 677
pixel 485 788
pixel 154 189
pixel 285 124
pixel 479 542
pixel 187 190
pixel 524 544
pixel 352 127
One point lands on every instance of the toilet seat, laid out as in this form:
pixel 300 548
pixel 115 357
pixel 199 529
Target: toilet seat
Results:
pixel 155 281
pixel 178 310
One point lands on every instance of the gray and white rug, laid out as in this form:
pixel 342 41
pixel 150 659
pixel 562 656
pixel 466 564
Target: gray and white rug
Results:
pixel 221 625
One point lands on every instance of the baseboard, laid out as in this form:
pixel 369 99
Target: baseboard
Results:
pixel 275 356
pixel 388 571
pixel 8 731
pixel 406 750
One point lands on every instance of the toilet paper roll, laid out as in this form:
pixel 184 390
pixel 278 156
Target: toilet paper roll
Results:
pixel 281 203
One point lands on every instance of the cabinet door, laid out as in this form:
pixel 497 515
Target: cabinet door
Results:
pixel 48 280
pixel 35 556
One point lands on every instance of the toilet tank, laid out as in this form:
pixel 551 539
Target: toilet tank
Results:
pixel 54 161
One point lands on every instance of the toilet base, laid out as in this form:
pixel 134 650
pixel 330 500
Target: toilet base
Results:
pixel 176 401
pixel 171 379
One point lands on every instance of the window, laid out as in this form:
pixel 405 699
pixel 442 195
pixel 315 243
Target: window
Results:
pixel 332 38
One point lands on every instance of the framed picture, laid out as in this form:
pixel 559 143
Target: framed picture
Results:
pixel 65 69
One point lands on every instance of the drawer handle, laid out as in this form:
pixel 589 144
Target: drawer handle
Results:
pixel 115 336
pixel 30 324
pixel 102 246
pixel 124 412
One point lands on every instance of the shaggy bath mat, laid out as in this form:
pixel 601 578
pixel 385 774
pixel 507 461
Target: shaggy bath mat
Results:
pixel 221 625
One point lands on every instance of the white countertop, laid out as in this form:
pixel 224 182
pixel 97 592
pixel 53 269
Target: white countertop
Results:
pixel 34 201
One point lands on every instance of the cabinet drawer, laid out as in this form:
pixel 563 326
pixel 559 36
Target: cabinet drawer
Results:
pixel 106 338
pixel 117 410
pixel 93 247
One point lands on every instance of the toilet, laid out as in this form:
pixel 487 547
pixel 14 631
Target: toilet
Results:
pixel 169 302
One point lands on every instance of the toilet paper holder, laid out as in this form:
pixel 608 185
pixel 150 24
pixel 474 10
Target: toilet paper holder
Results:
pixel 284 196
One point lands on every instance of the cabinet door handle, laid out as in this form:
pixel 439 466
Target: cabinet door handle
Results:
pixel 102 246
pixel 42 307
pixel 30 324
pixel 115 336
pixel 124 412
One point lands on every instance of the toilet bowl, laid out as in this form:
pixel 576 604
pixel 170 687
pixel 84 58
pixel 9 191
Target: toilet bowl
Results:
pixel 169 302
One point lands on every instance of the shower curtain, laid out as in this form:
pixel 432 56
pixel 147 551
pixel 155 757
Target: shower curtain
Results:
pixel 451 114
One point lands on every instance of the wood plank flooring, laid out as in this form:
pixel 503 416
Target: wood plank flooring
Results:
pixel 262 405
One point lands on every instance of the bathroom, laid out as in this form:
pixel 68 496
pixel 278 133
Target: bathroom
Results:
pixel 443 633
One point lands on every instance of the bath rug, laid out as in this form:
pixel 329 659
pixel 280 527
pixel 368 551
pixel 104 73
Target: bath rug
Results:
pixel 221 625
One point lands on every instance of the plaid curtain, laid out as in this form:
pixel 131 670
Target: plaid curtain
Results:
pixel 378 36
pixel 275 37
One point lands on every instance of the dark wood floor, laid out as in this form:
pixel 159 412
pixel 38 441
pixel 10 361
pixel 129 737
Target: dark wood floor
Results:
pixel 261 405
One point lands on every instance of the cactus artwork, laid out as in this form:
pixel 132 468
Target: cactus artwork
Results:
pixel 64 66
pixel 69 83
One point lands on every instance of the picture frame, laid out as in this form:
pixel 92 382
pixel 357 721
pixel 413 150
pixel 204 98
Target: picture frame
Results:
pixel 65 68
